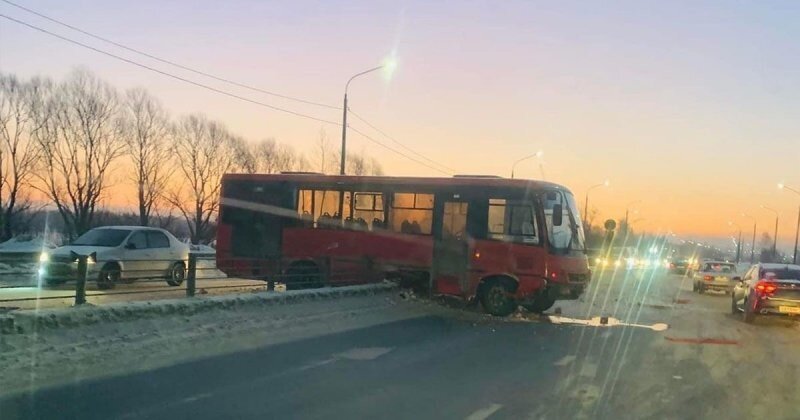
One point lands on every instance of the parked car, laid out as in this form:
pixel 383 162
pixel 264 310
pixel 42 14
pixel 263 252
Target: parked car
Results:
pixel 715 275
pixel 767 289
pixel 121 254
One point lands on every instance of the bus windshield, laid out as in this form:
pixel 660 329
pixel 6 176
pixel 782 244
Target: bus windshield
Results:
pixel 569 235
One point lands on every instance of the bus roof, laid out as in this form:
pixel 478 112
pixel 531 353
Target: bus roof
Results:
pixel 472 181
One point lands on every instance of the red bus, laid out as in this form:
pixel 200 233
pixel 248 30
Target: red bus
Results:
pixel 502 242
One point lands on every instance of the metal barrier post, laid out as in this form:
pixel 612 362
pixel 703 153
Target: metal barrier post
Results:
pixel 191 275
pixel 80 287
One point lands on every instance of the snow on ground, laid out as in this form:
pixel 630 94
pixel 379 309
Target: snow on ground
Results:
pixel 24 245
pixel 56 356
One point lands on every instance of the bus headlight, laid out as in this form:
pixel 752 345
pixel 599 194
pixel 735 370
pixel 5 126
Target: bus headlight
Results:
pixel 44 257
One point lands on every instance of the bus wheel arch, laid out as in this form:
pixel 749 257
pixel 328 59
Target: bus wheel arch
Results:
pixel 496 294
pixel 303 274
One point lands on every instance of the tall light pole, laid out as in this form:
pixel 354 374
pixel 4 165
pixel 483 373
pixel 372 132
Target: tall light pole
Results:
pixel 739 242
pixel 797 229
pixel 538 154
pixel 775 239
pixel 586 201
pixel 344 116
pixel 627 211
pixel 752 244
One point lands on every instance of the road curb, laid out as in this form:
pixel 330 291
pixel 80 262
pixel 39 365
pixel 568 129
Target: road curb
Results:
pixel 30 321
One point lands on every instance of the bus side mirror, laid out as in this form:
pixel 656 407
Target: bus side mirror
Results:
pixel 558 215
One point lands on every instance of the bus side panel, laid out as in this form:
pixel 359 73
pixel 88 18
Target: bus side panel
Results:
pixel 528 263
pixel 358 256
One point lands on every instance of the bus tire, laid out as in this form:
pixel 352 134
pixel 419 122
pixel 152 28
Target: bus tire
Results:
pixel 303 275
pixel 540 303
pixel 497 297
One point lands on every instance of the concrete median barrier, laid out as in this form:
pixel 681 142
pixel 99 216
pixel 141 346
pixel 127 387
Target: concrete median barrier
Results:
pixel 29 321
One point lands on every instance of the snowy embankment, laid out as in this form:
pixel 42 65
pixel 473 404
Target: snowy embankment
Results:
pixel 121 339
pixel 35 321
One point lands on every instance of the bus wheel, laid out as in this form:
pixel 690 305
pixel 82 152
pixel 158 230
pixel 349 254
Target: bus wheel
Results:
pixel 303 275
pixel 496 297
pixel 540 303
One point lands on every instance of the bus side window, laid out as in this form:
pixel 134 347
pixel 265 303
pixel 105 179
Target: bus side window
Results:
pixel 368 210
pixel 411 213
pixel 305 207
pixel 326 209
pixel 512 221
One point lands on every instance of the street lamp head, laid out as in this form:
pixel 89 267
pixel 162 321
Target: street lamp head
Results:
pixel 606 183
pixel 389 65
pixel 781 186
pixel 539 154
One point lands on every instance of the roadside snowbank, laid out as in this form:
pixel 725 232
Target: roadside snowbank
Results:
pixel 34 321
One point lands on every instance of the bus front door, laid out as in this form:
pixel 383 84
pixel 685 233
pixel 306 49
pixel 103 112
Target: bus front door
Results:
pixel 451 250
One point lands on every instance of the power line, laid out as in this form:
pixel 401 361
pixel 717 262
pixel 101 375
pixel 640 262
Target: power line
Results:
pixel 398 152
pixel 397 142
pixel 222 92
pixel 211 88
pixel 172 63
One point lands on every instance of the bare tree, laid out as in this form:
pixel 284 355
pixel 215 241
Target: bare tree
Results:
pixel 205 151
pixel 244 159
pixel 18 154
pixel 357 164
pixel 147 136
pixel 375 167
pixel 324 157
pixel 79 136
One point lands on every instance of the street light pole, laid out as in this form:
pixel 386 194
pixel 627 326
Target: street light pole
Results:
pixel 797 229
pixel 753 243
pixel 627 211
pixel 586 201
pixel 344 117
pixel 775 239
pixel 514 165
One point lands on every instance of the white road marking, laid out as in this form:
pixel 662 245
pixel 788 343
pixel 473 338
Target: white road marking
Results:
pixel 565 360
pixel 484 413
pixel 358 353
pixel 365 353
pixel 610 322
pixel 196 397
pixel 588 370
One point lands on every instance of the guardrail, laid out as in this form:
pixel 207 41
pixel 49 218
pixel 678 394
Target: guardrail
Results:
pixel 198 267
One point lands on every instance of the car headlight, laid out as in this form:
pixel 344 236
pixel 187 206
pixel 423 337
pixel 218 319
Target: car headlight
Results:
pixel 597 260
pixel 44 257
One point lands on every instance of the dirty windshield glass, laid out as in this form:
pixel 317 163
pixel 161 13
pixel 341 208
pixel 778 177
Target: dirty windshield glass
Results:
pixel 399 209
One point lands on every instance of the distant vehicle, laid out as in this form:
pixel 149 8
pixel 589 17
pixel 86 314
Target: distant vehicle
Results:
pixel 715 275
pixel 122 254
pixel 767 289
pixel 501 242
pixel 682 265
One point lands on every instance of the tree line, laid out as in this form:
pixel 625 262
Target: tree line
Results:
pixel 74 140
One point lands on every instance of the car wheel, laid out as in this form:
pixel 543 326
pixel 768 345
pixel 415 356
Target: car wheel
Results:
pixel 109 277
pixel 748 315
pixel 540 304
pixel 701 289
pixel 176 274
pixel 496 298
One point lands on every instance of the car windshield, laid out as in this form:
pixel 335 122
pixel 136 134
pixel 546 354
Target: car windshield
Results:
pixel 102 237
pixel 719 268
pixel 781 273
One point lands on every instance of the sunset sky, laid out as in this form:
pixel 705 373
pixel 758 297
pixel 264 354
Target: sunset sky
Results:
pixel 691 107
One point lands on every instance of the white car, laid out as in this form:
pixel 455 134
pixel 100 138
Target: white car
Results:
pixel 121 254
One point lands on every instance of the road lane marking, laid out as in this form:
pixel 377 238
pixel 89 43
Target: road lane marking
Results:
pixel 196 397
pixel 607 322
pixel 358 353
pixel 484 413
pixel 565 360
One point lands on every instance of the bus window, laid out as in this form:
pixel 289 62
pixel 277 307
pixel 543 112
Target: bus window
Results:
pixel 412 213
pixel 368 207
pixel 305 206
pixel 568 236
pixel 326 208
pixel 512 221
pixel 454 221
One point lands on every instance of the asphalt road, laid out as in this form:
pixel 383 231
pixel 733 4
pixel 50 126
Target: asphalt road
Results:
pixel 706 364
